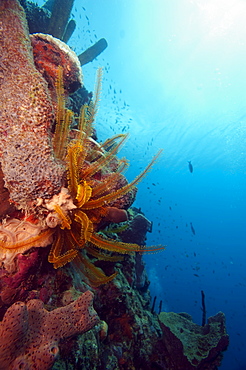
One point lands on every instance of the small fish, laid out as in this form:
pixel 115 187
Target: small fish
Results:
pixel 192 229
pixel 190 166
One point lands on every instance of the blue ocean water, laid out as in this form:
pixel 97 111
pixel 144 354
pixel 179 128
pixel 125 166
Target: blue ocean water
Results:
pixel 175 78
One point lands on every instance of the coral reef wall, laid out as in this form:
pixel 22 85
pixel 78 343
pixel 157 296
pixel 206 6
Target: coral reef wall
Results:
pixel 69 212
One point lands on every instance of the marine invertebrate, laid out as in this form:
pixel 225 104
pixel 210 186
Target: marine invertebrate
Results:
pixel 58 23
pixel 193 346
pixel 29 167
pixel 5 206
pixel 64 184
pixel 92 52
pixel 94 182
pixel 30 335
pixel 49 53
pixel 18 236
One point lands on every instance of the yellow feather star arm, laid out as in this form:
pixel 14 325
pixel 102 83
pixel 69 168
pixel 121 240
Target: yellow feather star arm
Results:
pixel 103 160
pixel 103 256
pixel 85 224
pixel 97 93
pixel 73 238
pixel 23 245
pixel 63 119
pixel 95 275
pixel 65 219
pixel 109 181
pixel 88 112
pixel 95 203
pixel 84 124
pixel 73 151
pixel 55 255
pixel 84 192
pixel 83 133
pixel 56 247
pixel 110 143
pixel 114 246
pixel 63 259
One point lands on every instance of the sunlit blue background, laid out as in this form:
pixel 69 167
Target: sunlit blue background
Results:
pixel 175 78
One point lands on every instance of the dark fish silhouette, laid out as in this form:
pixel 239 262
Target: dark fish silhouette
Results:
pixel 190 166
pixel 192 229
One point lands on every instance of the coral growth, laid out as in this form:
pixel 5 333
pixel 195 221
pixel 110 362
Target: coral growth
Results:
pixel 50 53
pixel 71 188
pixel 52 18
pixel 193 346
pixel 18 236
pixel 30 335
pixel 59 17
pixel 98 191
pixel 92 52
pixel 137 338
pixel 5 206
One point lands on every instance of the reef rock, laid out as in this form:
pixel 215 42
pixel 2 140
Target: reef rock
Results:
pixel 190 346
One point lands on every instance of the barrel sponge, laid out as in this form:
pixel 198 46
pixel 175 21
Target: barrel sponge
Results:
pixel 30 334
pixel 27 115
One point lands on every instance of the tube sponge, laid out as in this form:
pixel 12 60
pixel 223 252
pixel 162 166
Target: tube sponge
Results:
pixel 29 168
pixel 30 335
